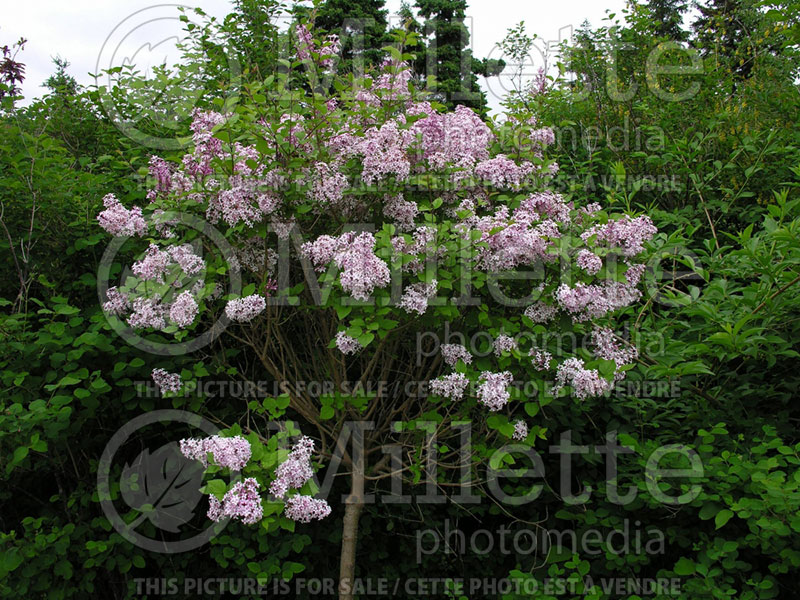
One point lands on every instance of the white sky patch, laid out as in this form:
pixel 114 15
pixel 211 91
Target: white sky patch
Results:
pixel 144 32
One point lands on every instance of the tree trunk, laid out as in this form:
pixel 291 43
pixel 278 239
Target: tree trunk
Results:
pixel 352 512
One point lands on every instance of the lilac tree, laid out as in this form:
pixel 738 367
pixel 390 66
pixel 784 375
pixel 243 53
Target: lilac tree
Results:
pixel 362 222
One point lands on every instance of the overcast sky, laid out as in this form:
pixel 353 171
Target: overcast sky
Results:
pixel 86 32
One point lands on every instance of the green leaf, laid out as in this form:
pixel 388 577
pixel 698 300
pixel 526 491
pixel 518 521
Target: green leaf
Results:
pixel 217 487
pixel 709 510
pixel 723 517
pixel 11 559
pixel 684 566
pixel 532 408
pixel 366 338
pixel 607 369
pixel 20 454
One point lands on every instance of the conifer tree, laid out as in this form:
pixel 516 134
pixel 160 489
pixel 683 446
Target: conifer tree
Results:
pixel 667 18
pixel 362 26
pixel 725 28
pixel 449 57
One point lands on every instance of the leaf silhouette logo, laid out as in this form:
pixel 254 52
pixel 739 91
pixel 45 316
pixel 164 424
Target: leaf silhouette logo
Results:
pixel 164 486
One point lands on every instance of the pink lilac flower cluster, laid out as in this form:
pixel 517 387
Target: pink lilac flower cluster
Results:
pixel 293 125
pixel 416 296
pixel 243 199
pixel 207 147
pixel 203 124
pixel 347 344
pixel 168 179
pixel 267 202
pixel 634 273
pixel 243 156
pixel 511 241
pixel 450 386
pixel 270 287
pixel 368 97
pixel 627 233
pixel 322 250
pixel 228 452
pixel 493 389
pixel 162 172
pixel 256 257
pixel 352 252
pixel 283 227
pixel 589 262
pixel 166 382
pixel 245 309
pixel 305 42
pixel 305 509
pixel 154 266
pixel 118 220
pixel 392 84
pixel 187 260
pixel 520 430
pixel 504 343
pixel 402 212
pixel 452 353
pixel 157 263
pixel 148 312
pixel 502 172
pixel 589 210
pixel 384 152
pixel 306 46
pixel 586 383
pixel 538 84
pixel 330 49
pixel 544 136
pixel 295 470
pixel 328 188
pixel 241 502
pixel 183 311
pixel 547 204
pixel 540 312
pixel 236 204
pixel 525 236
pixel 540 359
pixel 608 348
pixel 459 139
pixel 422 245
pixel 585 302
pixel 117 303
